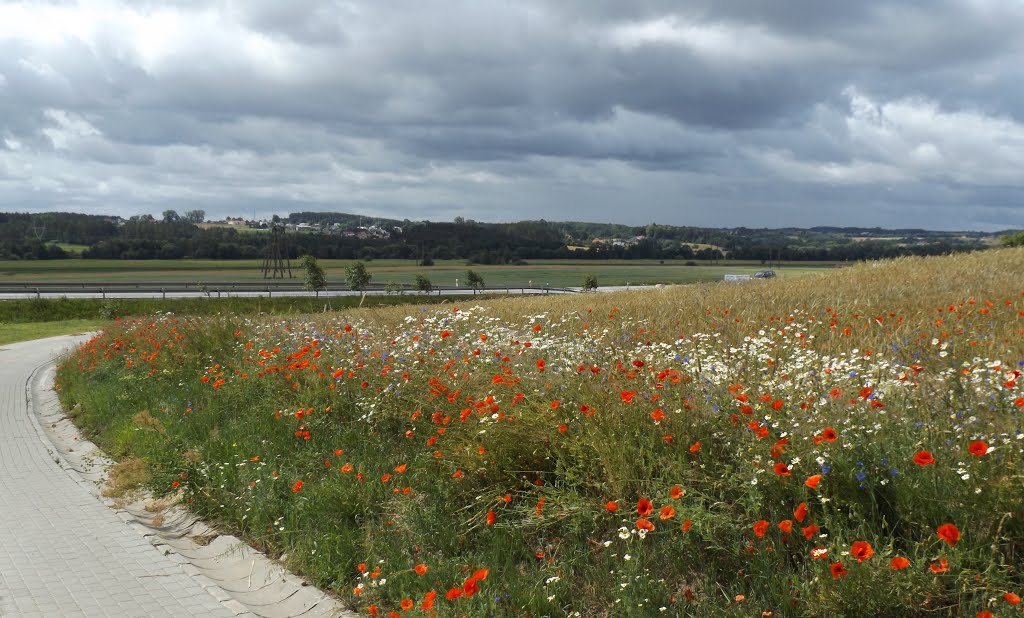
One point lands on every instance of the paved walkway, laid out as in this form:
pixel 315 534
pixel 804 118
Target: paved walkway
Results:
pixel 65 553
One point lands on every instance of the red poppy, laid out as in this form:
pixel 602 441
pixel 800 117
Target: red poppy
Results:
pixel 760 528
pixel 829 434
pixel 491 517
pixel 978 448
pixel 687 525
pixel 421 569
pixel 861 550
pixel 428 600
pixel 786 525
pixel 984 614
pixel 658 415
pixel 695 447
pixel 297 487
pixel 611 506
pixel 454 593
pixel 898 563
pixel 810 531
pixel 939 567
pixel 949 533
pixel 470 587
pixel 667 512
pixel 924 458
pixel 541 364
pixel 1011 598
pixel 627 396
pixel 812 481
pixel 838 570
pixel 407 604
pixel 676 492
pixel 800 512
pixel 781 469
pixel 644 507
pixel 644 524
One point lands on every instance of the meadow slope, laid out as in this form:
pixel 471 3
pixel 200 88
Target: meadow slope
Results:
pixel 843 444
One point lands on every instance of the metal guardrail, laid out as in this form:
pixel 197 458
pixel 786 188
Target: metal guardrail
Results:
pixel 125 289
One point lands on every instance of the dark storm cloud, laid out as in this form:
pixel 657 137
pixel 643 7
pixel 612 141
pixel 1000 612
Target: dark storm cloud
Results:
pixel 750 112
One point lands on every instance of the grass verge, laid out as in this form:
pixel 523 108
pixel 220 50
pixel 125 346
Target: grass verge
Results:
pixel 12 333
pixel 845 444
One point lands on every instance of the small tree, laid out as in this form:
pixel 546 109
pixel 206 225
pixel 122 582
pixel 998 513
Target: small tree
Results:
pixel 423 284
pixel 358 279
pixel 195 216
pixel 474 280
pixel 589 282
pixel 314 278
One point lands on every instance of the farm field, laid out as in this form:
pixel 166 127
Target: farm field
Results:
pixel 557 273
pixel 849 444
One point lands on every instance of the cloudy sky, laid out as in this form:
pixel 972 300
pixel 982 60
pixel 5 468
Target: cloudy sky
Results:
pixel 757 113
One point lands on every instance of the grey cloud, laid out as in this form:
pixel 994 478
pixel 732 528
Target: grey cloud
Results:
pixel 739 113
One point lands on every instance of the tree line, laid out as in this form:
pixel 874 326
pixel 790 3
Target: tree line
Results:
pixel 339 236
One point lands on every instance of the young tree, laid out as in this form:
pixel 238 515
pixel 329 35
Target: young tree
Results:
pixel 423 284
pixel 314 279
pixel 474 280
pixel 589 282
pixel 358 279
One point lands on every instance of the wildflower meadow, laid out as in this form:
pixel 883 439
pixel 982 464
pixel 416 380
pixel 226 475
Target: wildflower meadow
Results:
pixel 843 444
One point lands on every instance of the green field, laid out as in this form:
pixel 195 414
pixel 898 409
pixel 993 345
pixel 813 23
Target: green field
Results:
pixel 556 273
pixel 11 333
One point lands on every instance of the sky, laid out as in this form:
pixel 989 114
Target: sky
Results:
pixel 754 113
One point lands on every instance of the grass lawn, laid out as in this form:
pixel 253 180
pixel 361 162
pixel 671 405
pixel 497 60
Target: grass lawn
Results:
pixel 11 333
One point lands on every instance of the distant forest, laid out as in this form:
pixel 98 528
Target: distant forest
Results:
pixel 25 236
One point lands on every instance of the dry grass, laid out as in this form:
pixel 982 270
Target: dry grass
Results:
pixel 125 478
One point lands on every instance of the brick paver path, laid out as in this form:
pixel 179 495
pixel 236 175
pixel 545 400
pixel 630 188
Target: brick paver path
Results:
pixel 62 552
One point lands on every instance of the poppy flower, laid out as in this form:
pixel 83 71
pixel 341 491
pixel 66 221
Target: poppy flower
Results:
pixel 810 531
pixel 898 563
pixel 297 487
pixel 1011 598
pixel 541 364
pixel 421 569
pixel 861 550
pixel 687 525
pixel 644 507
pixel 428 600
pixel 491 517
pixel 658 415
pixel 611 506
pixel 676 492
pixel 813 481
pixel 829 434
pixel 939 567
pixel 407 604
pixel 760 528
pixel 470 587
pixel 781 469
pixel 786 525
pixel 838 570
pixel 453 594
pixel 819 552
pixel 924 458
pixel 978 448
pixel 984 614
pixel 667 512
pixel 949 533
pixel 695 447
pixel 800 513
pixel 627 396
pixel 644 524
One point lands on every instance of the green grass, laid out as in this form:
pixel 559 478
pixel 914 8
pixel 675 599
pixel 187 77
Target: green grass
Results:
pixel 557 273
pixel 11 333
pixel 24 311
pixel 527 435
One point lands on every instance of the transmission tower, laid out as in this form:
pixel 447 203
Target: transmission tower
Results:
pixel 38 228
pixel 276 260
